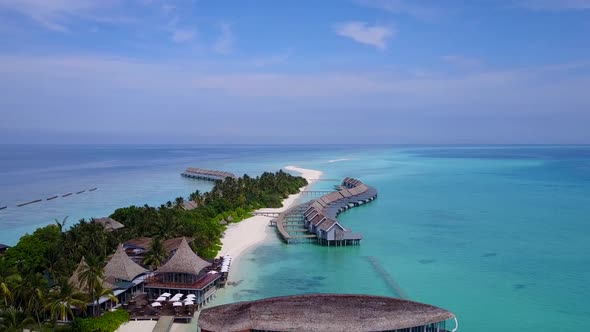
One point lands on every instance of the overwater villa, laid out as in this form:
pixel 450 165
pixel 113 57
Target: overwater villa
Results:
pixel 184 273
pixel 327 312
pixel 207 174
pixel 316 221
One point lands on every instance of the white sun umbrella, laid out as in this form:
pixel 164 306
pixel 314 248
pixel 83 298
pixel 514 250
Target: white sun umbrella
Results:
pixel 212 272
pixel 161 298
pixel 189 303
pixel 156 304
pixel 166 294
pixel 177 304
pixel 191 296
pixel 179 294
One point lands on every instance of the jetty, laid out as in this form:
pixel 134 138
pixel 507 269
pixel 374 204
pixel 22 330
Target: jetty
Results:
pixel 206 174
pixel 315 221
pixel 31 202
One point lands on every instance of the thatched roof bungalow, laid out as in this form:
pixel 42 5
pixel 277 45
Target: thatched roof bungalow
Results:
pixel 325 312
pixel 122 268
pixel 185 272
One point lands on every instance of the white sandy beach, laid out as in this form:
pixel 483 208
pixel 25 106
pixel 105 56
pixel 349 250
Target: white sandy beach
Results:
pixel 237 239
pixel 251 231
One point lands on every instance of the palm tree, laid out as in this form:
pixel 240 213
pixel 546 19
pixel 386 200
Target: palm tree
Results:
pixel 178 202
pixel 14 320
pixel 35 304
pixel 91 278
pixel 156 255
pixel 63 298
pixel 8 287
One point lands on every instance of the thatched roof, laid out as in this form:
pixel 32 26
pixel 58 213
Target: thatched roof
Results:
pixel 184 261
pixel 77 283
pixel 122 267
pixel 189 205
pixel 169 245
pixel 109 224
pixel 321 312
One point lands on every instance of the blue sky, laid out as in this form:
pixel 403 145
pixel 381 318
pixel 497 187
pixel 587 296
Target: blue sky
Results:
pixel 358 71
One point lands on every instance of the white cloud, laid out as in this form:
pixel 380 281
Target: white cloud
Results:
pixel 271 60
pixel 183 35
pixel 412 8
pixel 463 62
pixel 57 14
pixel 556 5
pixel 225 42
pixel 374 35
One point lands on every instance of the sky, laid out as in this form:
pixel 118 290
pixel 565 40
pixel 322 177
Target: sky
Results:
pixel 295 71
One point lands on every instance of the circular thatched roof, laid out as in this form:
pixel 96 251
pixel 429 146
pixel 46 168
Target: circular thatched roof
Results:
pixel 184 261
pixel 321 312
pixel 122 267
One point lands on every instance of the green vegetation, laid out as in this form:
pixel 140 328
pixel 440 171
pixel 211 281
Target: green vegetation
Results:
pixel 109 322
pixel 35 290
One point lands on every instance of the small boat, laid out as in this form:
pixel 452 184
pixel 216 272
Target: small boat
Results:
pixel 52 197
pixel 31 202
pixel 66 195
pixel 79 192
pixel 93 189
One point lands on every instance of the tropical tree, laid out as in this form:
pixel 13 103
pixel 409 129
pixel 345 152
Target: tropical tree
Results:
pixel 91 278
pixel 156 255
pixel 14 320
pixel 63 298
pixel 178 202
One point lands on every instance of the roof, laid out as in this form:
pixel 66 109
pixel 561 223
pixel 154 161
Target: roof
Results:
pixel 189 205
pixel 139 242
pixel 145 242
pixel 109 224
pixel 75 278
pixel 184 261
pixel 321 312
pixel 122 267
pixel 3 246
pixel 210 172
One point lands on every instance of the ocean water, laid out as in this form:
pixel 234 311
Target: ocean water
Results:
pixel 500 235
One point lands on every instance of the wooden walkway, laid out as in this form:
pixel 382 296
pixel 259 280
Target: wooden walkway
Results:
pixel 164 324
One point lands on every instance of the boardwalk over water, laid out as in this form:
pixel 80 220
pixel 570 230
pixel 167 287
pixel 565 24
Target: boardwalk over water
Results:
pixel 206 174
pixel 295 225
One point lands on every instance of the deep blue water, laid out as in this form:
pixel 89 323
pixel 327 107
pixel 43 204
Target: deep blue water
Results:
pixel 497 234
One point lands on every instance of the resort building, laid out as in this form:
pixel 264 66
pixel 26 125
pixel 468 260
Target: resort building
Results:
pixel 125 276
pixel 206 174
pixel 109 224
pixel 184 273
pixel 327 312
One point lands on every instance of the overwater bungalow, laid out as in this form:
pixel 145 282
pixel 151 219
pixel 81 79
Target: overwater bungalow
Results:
pixel 109 224
pixel 320 216
pixel 184 273
pixel 327 312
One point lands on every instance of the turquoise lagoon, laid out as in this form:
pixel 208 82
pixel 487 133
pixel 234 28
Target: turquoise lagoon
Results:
pixel 499 235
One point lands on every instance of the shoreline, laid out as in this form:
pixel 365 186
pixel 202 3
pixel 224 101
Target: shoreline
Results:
pixel 241 236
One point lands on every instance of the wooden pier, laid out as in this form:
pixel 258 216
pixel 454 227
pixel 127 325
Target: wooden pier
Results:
pixel 206 174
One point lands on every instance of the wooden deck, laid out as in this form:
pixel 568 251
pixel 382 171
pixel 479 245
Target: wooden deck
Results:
pixel 164 324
